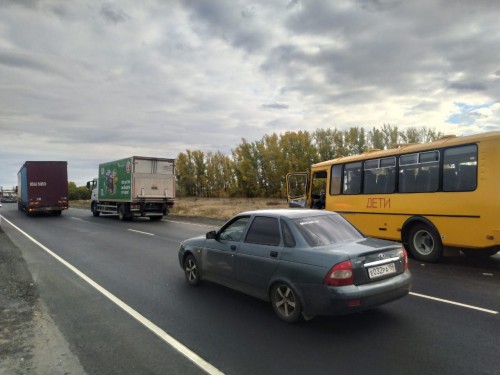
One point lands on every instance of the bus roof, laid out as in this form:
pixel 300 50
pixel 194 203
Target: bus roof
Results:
pixel 445 141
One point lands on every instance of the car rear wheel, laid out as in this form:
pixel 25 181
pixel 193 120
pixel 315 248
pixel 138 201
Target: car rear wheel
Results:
pixel 424 243
pixel 191 270
pixel 285 302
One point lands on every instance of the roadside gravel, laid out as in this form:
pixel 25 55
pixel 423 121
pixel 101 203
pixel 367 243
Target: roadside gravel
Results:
pixel 30 342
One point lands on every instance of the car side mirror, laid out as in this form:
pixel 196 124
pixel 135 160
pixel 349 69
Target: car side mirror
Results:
pixel 212 235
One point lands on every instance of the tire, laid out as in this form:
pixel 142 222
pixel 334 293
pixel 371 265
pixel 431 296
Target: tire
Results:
pixel 480 253
pixel 191 270
pixel 424 243
pixel 123 215
pixel 57 213
pixel 155 218
pixel 285 302
pixel 93 208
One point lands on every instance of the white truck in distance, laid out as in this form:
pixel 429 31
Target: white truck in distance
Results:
pixel 134 187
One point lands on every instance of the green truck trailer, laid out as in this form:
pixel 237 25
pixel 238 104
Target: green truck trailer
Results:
pixel 134 187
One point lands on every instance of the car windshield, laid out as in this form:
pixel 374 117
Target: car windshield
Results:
pixel 326 230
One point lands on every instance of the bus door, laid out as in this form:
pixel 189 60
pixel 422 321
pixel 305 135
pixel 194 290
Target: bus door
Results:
pixel 297 189
pixel 318 189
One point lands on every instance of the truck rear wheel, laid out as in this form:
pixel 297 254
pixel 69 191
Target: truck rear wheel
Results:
pixel 123 213
pixel 155 218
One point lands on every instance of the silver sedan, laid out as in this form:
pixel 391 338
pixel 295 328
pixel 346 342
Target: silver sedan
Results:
pixel 305 262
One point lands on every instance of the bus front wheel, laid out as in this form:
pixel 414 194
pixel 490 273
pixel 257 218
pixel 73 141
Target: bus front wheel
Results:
pixel 424 243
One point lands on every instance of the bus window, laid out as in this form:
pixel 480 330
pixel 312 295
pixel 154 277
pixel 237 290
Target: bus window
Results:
pixel 335 179
pixel 379 176
pixel 460 168
pixel 419 173
pixel 352 178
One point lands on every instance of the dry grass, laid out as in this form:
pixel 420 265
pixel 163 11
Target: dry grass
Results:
pixel 218 208
pixel 223 208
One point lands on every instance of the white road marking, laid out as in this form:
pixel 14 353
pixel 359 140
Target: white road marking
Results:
pixel 138 231
pixel 181 348
pixel 75 218
pixel 455 303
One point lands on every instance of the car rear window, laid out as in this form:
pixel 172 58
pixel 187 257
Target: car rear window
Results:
pixel 326 230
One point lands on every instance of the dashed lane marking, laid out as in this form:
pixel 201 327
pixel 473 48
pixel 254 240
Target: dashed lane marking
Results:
pixel 141 232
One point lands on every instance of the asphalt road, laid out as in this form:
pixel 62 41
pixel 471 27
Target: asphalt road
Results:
pixel 449 324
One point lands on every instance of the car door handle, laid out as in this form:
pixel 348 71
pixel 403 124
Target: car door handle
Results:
pixel 273 254
pixel 233 247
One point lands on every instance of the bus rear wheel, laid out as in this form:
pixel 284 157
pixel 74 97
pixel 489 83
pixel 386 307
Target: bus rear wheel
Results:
pixel 424 243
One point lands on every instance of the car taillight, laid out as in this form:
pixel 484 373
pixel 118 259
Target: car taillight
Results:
pixel 405 256
pixel 340 274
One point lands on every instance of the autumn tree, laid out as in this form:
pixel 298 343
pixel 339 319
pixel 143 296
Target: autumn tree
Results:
pixel 246 168
pixel 185 174
pixel 219 175
pixel 375 139
pixel 258 169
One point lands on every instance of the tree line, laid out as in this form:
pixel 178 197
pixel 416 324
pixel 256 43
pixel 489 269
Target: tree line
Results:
pixel 77 192
pixel 259 168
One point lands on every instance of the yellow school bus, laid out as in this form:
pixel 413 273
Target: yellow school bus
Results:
pixel 428 196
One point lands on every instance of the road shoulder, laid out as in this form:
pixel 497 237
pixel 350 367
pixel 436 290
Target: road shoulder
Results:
pixel 30 341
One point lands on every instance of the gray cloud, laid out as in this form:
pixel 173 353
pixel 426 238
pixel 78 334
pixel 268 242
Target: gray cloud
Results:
pixel 468 86
pixel 95 81
pixel 113 14
pixel 275 106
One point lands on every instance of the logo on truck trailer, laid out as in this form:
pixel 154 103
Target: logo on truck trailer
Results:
pixel 39 183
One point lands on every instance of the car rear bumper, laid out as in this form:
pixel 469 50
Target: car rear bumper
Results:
pixel 325 300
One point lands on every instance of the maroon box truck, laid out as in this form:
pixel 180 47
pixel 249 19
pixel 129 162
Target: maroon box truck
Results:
pixel 43 187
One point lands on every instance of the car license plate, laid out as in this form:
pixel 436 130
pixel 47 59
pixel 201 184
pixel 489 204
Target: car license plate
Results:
pixel 385 269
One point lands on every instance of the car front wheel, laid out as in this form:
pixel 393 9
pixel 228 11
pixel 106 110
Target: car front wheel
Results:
pixel 191 270
pixel 286 302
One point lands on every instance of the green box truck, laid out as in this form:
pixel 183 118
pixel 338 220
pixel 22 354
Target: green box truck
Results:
pixel 134 187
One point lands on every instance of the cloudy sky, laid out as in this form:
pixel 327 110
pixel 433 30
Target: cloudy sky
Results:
pixel 94 81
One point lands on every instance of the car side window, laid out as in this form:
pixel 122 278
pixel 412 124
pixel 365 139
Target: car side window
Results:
pixel 264 231
pixel 288 239
pixel 234 230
